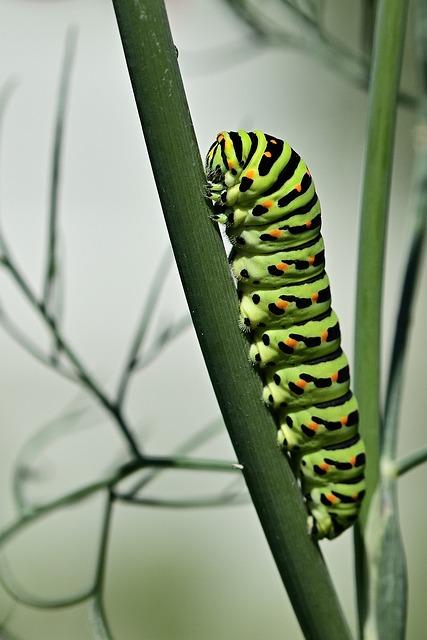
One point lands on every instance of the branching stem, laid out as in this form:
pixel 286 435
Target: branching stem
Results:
pixel 84 376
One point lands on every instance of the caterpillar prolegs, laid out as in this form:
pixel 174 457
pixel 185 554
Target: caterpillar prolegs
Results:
pixel 263 192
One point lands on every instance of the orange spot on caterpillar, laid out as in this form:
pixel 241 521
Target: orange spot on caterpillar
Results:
pixel 311 259
pixel 273 141
pixel 282 304
pixel 291 342
pixel 268 154
pixel 267 204
pixel 276 233
pixel 334 377
pixel 324 466
pixel 313 426
pixel 220 137
pixel 324 336
pixel 314 297
pixel 301 383
pixel 230 164
pixel 282 266
pixel 308 224
pixel 250 173
pixel 344 419
pixel 298 187
pixel 352 460
pixel 333 499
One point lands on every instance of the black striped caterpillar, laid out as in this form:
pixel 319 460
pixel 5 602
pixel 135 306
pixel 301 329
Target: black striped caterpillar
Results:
pixel 262 191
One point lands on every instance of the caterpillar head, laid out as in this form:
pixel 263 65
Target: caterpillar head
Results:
pixel 221 169
pixel 216 164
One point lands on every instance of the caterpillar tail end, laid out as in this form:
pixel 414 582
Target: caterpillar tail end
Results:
pixel 320 526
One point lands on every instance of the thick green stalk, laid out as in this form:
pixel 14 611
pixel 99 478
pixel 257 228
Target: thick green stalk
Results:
pixel 387 58
pixel 163 110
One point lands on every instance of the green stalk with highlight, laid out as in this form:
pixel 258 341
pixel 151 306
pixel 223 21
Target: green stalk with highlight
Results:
pixel 163 110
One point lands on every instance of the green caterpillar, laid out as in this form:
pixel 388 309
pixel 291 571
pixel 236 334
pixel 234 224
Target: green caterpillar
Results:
pixel 263 192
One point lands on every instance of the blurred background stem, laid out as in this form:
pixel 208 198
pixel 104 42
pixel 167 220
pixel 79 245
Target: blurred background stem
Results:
pixel 385 75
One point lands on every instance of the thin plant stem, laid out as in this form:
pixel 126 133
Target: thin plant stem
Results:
pixel 42 306
pixel 32 349
pixel 383 97
pixel 162 340
pixel 369 8
pixel 6 92
pixel 50 283
pixel 418 206
pixel 31 512
pixel 408 291
pixel 19 594
pixel 190 464
pixel 411 461
pixel 143 325
pixel 111 481
pixel 222 500
pixel 84 377
pixel 198 439
pixel 388 48
pixel 62 423
pixel 100 626
pixel 101 620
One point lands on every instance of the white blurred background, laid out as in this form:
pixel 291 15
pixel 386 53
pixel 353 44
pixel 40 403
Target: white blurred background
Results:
pixel 171 574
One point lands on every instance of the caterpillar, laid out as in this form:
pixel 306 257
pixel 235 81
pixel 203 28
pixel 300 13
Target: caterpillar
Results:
pixel 262 191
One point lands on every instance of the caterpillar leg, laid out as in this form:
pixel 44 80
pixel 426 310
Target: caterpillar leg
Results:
pixel 319 524
pixel 329 521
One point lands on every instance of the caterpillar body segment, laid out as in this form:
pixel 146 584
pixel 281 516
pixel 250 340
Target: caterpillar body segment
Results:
pixel 288 345
pixel 263 192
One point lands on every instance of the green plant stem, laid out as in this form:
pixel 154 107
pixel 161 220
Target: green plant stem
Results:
pixel 144 323
pixel 369 8
pixel 163 110
pixel 15 591
pixel 387 58
pixel 388 48
pixel 418 206
pixel 6 92
pixel 31 513
pixel 191 464
pixel 203 502
pixel 99 612
pixel 160 341
pixel 64 423
pixel 407 296
pixel 31 348
pixel 192 442
pixel 109 483
pixel 52 258
pixel 411 461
